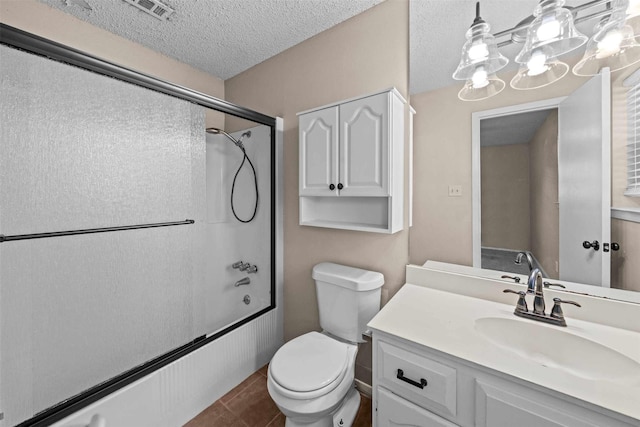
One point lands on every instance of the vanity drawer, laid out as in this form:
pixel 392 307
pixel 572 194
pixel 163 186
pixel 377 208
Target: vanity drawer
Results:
pixel 402 372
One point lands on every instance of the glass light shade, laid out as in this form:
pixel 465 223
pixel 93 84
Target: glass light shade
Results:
pixel 552 29
pixel 613 45
pixel 633 16
pixel 481 86
pixel 539 74
pixel 480 49
pixel 633 8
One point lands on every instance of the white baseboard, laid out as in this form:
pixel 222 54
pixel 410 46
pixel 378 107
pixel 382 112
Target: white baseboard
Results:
pixel 363 388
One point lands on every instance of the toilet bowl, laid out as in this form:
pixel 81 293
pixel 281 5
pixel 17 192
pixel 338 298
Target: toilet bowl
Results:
pixel 311 378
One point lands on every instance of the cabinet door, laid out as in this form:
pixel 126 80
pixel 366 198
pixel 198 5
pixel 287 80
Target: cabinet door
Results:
pixel 319 152
pixel 364 146
pixel 506 404
pixel 395 411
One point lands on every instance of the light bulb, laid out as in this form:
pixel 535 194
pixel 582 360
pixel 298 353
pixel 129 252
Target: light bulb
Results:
pixel 537 64
pixel 478 51
pixel 480 78
pixel 610 44
pixel 549 29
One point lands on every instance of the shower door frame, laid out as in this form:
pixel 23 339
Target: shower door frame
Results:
pixel 32 43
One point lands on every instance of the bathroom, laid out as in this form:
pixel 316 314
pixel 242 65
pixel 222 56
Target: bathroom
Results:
pixel 359 56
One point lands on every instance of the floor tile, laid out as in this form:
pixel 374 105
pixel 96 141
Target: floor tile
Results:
pixel 363 417
pixel 254 405
pixel 240 387
pixel 278 421
pixel 249 405
pixel 264 370
pixel 216 415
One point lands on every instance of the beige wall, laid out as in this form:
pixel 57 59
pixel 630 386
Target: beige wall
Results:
pixel 42 20
pixel 505 197
pixel 364 54
pixel 545 215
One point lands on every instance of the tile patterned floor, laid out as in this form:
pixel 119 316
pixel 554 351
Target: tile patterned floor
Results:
pixel 249 405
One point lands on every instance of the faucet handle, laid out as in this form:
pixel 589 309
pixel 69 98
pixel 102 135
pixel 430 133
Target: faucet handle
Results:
pixel 514 278
pixel 521 305
pixel 549 284
pixel 556 311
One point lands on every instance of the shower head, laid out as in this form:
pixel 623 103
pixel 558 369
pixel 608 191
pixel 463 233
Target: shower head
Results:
pixel 237 142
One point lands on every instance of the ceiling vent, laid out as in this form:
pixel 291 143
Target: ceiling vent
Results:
pixel 153 8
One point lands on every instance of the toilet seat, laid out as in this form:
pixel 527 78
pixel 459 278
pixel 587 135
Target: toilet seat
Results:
pixel 309 366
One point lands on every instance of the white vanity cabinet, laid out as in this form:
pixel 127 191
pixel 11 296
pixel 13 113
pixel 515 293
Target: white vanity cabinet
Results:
pixel 438 390
pixel 351 166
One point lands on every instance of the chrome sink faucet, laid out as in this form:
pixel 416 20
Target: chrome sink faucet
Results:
pixel 529 259
pixel 535 285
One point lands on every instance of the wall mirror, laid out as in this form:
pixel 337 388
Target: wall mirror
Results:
pixel 544 183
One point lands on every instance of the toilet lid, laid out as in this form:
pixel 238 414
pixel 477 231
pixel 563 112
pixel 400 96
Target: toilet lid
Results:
pixel 310 362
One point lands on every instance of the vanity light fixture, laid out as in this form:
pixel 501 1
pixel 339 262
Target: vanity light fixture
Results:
pixel 479 62
pixel 550 33
pixel 613 45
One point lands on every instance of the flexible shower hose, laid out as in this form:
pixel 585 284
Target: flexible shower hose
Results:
pixel 245 158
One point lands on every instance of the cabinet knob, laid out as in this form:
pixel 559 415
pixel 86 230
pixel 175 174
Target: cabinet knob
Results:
pixel 340 186
pixel 332 187
pixel 588 245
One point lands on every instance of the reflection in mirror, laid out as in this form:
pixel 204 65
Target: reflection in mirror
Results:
pixel 519 191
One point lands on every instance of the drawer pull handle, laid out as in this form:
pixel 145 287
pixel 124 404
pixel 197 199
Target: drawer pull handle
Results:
pixel 422 384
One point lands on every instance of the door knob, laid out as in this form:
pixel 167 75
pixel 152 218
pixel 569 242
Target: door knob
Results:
pixel 340 186
pixel 588 245
pixel 332 187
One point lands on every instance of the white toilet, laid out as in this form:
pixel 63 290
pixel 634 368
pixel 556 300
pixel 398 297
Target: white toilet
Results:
pixel 310 378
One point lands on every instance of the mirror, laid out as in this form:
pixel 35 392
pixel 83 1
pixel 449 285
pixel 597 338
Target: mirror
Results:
pixel 443 224
pixel 558 202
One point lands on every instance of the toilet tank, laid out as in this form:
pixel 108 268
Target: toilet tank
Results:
pixel 348 298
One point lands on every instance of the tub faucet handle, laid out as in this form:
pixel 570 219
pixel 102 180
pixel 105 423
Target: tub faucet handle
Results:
pixel 237 265
pixel 252 269
pixel 245 267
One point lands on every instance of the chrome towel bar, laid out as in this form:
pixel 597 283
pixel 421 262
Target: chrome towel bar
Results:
pixel 4 238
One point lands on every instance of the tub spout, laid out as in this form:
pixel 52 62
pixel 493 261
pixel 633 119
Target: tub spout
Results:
pixel 243 281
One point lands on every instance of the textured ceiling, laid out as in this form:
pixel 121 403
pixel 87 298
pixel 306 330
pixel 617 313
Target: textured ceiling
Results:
pixel 226 37
pixel 221 37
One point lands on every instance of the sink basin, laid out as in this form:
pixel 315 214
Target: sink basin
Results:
pixel 553 347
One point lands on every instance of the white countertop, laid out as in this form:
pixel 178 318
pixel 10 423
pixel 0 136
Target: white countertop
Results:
pixel 445 321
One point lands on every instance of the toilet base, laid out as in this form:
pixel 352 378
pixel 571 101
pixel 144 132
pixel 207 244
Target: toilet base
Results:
pixel 342 417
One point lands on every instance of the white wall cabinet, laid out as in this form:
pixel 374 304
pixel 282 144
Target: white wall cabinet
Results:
pixel 436 390
pixel 352 164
